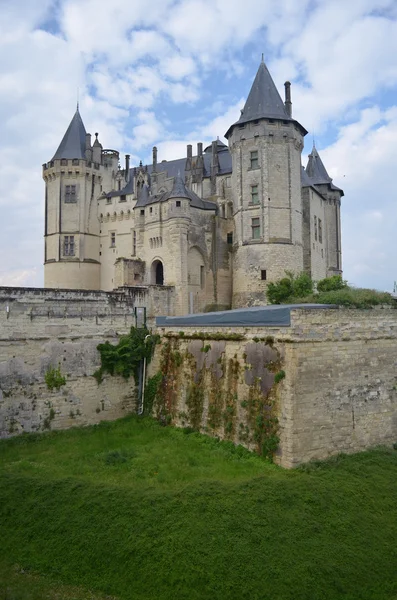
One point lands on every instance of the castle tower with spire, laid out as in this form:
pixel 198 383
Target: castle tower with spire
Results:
pixel 215 226
pixel 73 180
pixel 266 145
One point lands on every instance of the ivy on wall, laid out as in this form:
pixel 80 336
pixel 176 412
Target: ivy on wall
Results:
pixel 125 357
pixel 213 383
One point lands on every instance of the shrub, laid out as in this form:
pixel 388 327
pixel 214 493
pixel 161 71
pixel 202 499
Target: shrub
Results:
pixel 331 283
pixel 54 378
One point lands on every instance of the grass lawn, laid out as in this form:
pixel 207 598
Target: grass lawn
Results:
pixel 133 510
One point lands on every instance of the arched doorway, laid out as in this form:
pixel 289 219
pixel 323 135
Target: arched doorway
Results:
pixel 157 273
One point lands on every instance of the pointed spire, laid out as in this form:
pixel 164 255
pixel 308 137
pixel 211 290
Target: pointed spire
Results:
pixel 73 142
pixel 315 168
pixel 179 189
pixel 263 99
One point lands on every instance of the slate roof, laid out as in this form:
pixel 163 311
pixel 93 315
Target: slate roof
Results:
pixel 73 142
pixel 317 172
pixel 173 167
pixel 263 102
pixel 179 190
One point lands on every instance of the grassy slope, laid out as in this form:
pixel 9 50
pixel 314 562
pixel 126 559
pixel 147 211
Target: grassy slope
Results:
pixel 139 511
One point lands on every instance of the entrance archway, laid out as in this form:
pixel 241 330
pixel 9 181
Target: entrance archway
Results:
pixel 157 272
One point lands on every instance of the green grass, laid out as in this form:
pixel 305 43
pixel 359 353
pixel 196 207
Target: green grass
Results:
pixel 137 511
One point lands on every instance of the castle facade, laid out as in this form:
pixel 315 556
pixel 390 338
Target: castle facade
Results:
pixel 217 225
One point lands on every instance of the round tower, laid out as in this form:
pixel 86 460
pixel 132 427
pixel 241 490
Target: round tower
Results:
pixel 266 145
pixel 71 237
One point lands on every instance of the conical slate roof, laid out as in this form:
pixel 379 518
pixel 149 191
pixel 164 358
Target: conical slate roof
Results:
pixel 317 173
pixel 264 101
pixel 315 168
pixel 73 142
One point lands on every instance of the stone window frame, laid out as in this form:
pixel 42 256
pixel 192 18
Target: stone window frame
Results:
pixel 68 245
pixel 178 204
pixel 254 160
pixel 112 239
pixel 70 193
pixel 256 228
pixel 255 194
pixel 134 242
pixel 320 231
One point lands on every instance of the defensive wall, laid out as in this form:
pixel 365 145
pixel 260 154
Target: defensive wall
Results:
pixel 43 328
pixel 322 380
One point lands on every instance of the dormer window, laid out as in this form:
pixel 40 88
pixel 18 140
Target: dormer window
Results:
pixel 178 203
pixel 123 198
pixel 75 161
pixel 64 162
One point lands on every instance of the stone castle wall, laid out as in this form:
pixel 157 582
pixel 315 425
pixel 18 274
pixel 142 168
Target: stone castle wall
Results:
pixel 42 328
pixel 339 393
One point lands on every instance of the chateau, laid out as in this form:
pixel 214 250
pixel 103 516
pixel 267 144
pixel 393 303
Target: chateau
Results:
pixel 216 226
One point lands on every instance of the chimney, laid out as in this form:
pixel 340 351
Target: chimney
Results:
pixel 127 168
pixel 288 103
pixel 88 141
pixel 188 165
pixel 154 159
pixel 200 149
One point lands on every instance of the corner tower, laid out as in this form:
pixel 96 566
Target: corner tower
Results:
pixel 319 177
pixel 72 185
pixel 266 145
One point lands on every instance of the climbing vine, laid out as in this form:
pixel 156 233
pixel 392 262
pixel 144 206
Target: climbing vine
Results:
pixel 124 358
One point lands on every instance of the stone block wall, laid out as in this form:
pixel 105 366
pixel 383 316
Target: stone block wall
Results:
pixel 40 329
pixel 339 393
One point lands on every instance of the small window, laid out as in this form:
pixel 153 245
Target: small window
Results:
pixel 75 161
pixel 254 159
pixel 134 243
pixel 64 162
pixel 230 237
pixel 320 231
pixel 241 126
pixel 70 193
pixel 151 210
pixel 123 198
pixel 68 245
pixel 256 228
pixel 254 194
pixel 113 239
pixel 142 212
pixel 108 200
pixel 202 277
pixel 315 228
pixel 178 203
pixel 271 120
pixel 256 122
pixel 263 274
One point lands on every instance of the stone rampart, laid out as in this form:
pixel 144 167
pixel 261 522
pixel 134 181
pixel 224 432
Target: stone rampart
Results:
pixel 44 328
pixel 330 380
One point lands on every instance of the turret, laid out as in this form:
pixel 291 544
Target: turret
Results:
pixel 266 145
pixel 73 184
pixel 318 176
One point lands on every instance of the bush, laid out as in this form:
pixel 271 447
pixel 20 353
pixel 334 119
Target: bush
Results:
pixel 54 378
pixel 331 283
pixel 282 291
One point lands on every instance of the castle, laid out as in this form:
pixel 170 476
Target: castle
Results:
pixel 216 226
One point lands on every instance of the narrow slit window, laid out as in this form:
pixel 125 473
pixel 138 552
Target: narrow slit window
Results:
pixel 320 231
pixel 263 275
pixel 315 228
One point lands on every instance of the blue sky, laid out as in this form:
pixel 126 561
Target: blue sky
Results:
pixel 171 73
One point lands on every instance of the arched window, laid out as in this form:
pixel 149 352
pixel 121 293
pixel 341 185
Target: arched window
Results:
pixel 157 273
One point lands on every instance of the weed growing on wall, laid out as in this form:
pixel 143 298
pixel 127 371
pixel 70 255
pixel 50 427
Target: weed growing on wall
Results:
pixel 125 357
pixel 54 378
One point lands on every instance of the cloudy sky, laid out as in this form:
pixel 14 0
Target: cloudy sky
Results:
pixel 172 72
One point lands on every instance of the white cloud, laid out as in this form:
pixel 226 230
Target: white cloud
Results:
pixel 146 76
